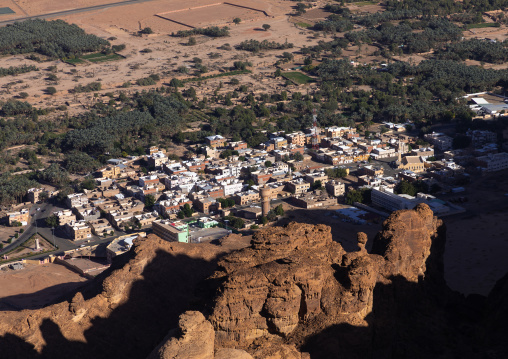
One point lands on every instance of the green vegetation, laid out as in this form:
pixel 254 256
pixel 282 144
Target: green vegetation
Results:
pixel 55 39
pixel 234 222
pixel 483 25
pixel 13 188
pixel 256 46
pixel 213 31
pixel 91 87
pixel 303 24
pixel 75 61
pixel 336 172
pixel 405 187
pixel 298 77
pixel 11 71
pixel 101 57
pixel 361 195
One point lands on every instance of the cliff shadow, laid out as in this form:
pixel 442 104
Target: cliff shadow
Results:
pixel 41 298
pixel 342 232
pixel 136 327
pixel 423 319
pixel 405 322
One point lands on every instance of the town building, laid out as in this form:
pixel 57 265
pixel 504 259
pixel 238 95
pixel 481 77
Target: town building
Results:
pixel 385 198
pixel 22 216
pixel 439 140
pixel 171 231
pixel 296 138
pixel 65 216
pixel 157 159
pixel 101 227
pixel 78 230
pixel 480 138
pixel 246 197
pixel 335 188
pixel 216 141
pixel 34 194
pixel 311 200
pixel 412 163
pixel 493 162
pixel 205 222
pixel 76 199
pixel 120 245
pixel 297 186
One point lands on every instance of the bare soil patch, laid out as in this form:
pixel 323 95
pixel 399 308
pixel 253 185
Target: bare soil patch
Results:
pixel 36 285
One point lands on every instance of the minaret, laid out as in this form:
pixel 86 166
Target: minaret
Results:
pixel 399 149
pixel 265 200
pixel 37 245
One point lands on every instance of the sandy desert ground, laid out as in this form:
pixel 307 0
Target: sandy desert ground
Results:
pixel 36 285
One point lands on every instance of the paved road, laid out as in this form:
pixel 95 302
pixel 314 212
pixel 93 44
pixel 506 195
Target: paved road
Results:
pixel 72 11
pixel 57 237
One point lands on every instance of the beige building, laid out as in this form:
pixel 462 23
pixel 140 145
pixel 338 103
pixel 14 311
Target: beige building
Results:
pixel 101 226
pixel 78 230
pixel 412 163
pixel 298 186
pixel 65 216
pixel 110 172
pixel 335 188
pixel 22 217
pixel 34 194
pixel 316 176
pixel 247 197
pixel 296 138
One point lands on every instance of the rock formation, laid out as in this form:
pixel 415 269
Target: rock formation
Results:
pixel 298 276
pixel 292 293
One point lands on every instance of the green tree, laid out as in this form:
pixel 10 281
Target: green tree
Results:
pixel 180 215
pixel 279 210
pixel 52 221
pixel 192 41
pixel 50 90
pixel 298 156
pixel 187 210
pixel 405 187
pixel 268 163
pixel 149 201
pixel 266 27
pixel 317 185
pixel 264 220
pixel 237 20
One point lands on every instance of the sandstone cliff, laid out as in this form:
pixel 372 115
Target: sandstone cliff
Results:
pixel 291 293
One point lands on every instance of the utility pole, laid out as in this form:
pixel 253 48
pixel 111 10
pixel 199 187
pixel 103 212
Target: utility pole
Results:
pixel 53 233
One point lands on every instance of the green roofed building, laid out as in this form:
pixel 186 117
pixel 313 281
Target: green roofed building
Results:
pixel 171 231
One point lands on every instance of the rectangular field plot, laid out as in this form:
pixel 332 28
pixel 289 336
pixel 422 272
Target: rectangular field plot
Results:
pixel 6 10
pixel 210 14
pixel 298 77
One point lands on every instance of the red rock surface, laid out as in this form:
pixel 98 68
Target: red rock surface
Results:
pixel 292 293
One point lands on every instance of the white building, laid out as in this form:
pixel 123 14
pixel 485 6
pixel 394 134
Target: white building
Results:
pixel 385 198
pixel 76 199
pixel 439 140
pixel 493 162
pixel 232 188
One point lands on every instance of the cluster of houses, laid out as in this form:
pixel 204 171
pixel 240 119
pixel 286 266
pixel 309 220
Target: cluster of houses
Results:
pixel 282 166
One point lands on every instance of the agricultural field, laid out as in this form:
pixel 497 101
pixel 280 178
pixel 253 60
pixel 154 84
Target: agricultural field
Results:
pixel 298 77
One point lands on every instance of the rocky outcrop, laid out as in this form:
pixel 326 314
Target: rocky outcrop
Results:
pixel 290 293
pixel 194 339
pixel 127 313
pixel 298 274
